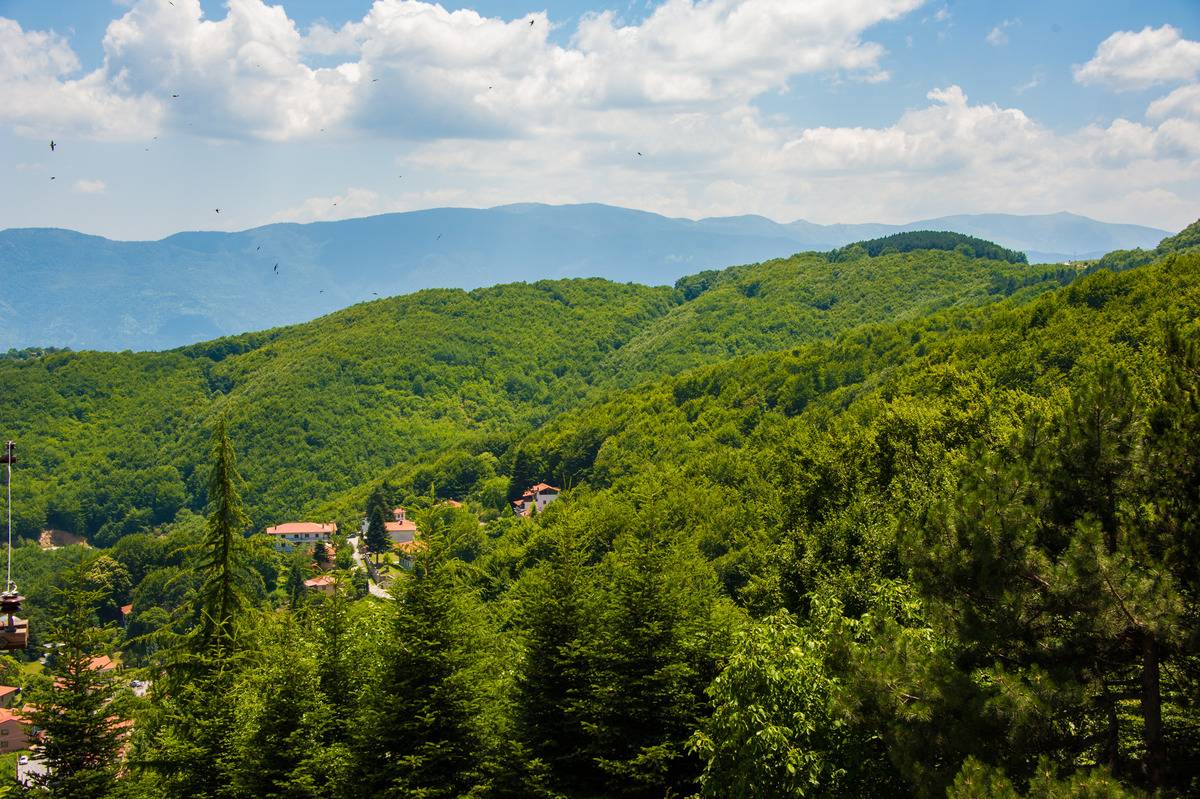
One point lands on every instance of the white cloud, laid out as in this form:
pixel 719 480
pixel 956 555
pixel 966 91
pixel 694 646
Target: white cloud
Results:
pixel 413 70
pixel 1128 60
pixel 1183 102
pixel 356 202
pixel 40 100
pixel 90 187
pixel 1033 83
pixel 942 158
pixel 998 36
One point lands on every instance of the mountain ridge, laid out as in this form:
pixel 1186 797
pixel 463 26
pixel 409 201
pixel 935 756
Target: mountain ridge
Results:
pixel 88 292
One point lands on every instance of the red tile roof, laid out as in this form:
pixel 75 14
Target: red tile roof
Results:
pixel 299 528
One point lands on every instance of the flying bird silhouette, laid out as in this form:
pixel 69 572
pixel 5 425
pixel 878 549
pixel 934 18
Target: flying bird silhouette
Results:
pixel 218 210
pixel 531 23
pixel 52 145
pixel 276 269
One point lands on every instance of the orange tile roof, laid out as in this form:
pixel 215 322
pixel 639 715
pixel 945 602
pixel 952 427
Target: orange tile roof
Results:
pixel 409 547
pixel 11 715
pixel 318 582
pixel 294 528
pixel 400 527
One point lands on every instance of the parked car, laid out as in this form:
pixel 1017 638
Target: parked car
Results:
pixel 22 760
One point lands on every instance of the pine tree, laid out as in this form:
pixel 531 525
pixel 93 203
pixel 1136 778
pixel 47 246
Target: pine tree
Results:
pixel 80 728
pixel 420 732
pixel 662 633
pixel 376 540
pixel 224 553
pixel 187 741
pixel 558 612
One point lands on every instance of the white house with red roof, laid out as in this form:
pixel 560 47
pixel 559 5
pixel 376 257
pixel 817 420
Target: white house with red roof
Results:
pixel 536 498
pixel 286 537
pixel 401 531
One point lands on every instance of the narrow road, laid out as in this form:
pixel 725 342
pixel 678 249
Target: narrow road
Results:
pixel 358 558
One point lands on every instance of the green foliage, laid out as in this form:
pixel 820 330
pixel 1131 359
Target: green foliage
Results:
pixel 80 727
pixel 934 240
pixel 970 537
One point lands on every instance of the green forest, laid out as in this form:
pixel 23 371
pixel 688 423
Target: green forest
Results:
pixel 909 520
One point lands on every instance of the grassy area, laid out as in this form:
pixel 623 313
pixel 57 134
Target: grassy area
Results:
pixel 8 761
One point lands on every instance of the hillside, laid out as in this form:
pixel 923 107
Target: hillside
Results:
pixel 944 546
pixel 110 438
pixel 66 289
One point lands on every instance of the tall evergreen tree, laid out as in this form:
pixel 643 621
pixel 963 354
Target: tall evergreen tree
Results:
pixel 420 731
pixel 224 553
pixel 558 611
pixel 188 741
pixel 80 726
pixel 376 540
pixel 661 638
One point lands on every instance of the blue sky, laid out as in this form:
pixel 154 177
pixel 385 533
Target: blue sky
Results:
pixel 163 111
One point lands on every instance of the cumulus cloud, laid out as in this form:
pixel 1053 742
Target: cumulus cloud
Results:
pixel 89 187
pixel 1183 102
pixel 1128 60
pixel 41 99
pixel 934 160
pixel 413 70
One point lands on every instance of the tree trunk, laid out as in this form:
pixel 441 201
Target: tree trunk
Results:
pixel 1155 763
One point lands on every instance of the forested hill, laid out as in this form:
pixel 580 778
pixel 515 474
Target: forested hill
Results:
pixel 110 440
pixel 933 240
pixel 916 525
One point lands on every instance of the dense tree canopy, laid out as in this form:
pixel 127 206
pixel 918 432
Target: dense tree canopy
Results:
pixel 940 541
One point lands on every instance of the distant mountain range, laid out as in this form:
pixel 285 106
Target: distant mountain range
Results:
pixel 68 289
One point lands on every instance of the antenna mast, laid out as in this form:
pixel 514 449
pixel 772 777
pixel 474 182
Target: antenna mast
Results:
pixel 9 460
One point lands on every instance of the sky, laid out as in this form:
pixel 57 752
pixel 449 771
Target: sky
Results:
pixel 174 115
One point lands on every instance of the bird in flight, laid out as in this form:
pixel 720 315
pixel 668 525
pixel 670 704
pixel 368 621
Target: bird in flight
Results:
pixel 52 145
pixel 531 23
pixel 218 210
pixel 276 269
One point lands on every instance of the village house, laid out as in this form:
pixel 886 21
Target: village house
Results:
pixel 286 537
pixel 536 498
pixel 322 585
pixel 402 530
pixel 12 733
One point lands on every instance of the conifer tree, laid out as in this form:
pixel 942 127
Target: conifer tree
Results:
pixel 420 731
pixel 376 540
pixel 558 612
pixel 224 553
pixel 187 742
pixel 661 636
pixel 80 727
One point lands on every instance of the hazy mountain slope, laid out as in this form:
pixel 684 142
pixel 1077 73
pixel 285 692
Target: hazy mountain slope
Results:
pixel 85 292
pixel 112 440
